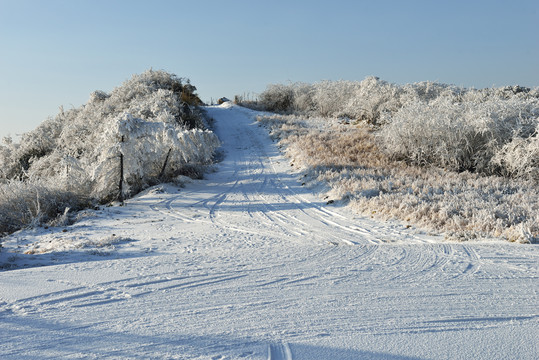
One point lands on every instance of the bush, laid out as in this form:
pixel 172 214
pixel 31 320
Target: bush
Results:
pixel 490 131
pixel 520 157
pixel 462 205
pixel 480 148
pixel 24 203
pixel 149 125
pixel 356 100
pixel 493 137
pixel 278 98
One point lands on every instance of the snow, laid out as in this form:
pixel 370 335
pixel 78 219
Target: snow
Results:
pixel 248 264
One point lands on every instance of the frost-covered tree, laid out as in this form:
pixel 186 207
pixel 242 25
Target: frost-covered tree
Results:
pixel 145 131
pixel 141 153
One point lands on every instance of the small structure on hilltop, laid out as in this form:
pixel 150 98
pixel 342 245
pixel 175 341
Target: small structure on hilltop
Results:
pixel 222 100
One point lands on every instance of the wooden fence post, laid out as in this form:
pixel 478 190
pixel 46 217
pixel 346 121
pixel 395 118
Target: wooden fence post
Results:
pixel 121 185
pixel 162 173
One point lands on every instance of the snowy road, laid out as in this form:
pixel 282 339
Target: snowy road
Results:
pixel 247 264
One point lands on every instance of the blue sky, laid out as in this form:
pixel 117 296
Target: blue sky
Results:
pixel 56 52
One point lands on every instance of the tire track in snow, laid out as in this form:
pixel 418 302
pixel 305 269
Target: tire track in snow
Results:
pixel 256 183
pixel 254 198
pixel 89 295
pixel 267 169
pixel 419 262
pixel 254 173
pixel 473 258
pixel 279 351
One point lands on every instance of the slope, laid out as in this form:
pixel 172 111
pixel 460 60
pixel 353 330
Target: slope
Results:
pixel 247 264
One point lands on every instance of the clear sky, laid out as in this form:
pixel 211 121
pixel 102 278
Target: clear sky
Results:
pixel 56 52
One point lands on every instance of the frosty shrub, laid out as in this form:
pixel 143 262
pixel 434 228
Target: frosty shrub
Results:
pixel 464 206
pixel 278 97
pixel 363 100
pixel 35 202
pixel 145 131
pixel 449 159
pixel 520 157
pixel 492 136
pixel 370 99
pixel 151 152
pixel 488 131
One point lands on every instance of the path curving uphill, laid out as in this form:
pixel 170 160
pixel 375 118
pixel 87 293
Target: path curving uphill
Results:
pixel 248 264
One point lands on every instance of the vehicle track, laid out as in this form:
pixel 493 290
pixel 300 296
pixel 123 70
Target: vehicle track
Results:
pixel 251 194
pixel 279 351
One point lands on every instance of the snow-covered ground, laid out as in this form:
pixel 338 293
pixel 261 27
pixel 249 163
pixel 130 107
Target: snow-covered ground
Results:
pixel 248 264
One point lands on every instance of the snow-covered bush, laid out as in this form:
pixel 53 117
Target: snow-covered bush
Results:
pixel 464 206
pixel 372 98
pixel 278 97
pixel 428 123
pixel 363 100
pixel 480 148
pixel 36 202
pixel 147 129
pixel 151 152
pixel 520 157
pixel 329 97
pixel 484 136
